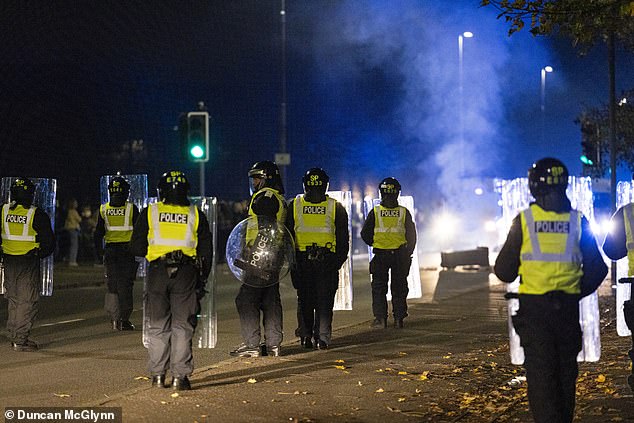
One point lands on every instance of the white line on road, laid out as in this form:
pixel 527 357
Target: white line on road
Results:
pixel 63 322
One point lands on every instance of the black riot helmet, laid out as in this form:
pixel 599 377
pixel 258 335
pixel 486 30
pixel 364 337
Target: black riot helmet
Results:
pixel 173 188
pixel 389 189
pixel 119 190
pixel 315 182
pixel 265 174
pixel 22 191
pixel 546 176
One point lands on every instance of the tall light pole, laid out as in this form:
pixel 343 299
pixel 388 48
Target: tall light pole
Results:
pixel 283 123
pixel 545 70
pixel 461 38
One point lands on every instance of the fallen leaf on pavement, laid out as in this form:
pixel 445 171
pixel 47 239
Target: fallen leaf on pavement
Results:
pixel 174 395
pixel 251 380
pixel 379 390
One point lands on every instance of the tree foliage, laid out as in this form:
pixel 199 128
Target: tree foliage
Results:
pixel 598 119
pixel 586 22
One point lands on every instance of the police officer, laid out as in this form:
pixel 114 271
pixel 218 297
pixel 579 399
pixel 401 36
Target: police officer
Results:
pixel 319 225
pixel 619 243
pixel 27 237
pixel 114 225
pixel 551 248
pixel 390 230
pixel 267 202
pixel 175 238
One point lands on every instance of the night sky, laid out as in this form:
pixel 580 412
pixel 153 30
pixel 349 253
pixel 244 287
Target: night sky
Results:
pixel 372 92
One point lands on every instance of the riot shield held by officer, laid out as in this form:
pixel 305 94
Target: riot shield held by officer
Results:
pixel 114 229
pixel 175 238
pixel 551 248
pixel 27 236
pixel 319 225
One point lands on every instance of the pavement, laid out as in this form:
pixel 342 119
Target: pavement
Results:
pixel 450 363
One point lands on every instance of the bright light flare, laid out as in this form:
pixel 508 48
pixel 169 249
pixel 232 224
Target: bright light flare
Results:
pixel 490 226
pixel 601 228
pixel 445 225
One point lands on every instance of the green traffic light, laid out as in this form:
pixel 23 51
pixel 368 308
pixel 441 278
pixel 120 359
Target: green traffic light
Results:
pixel 586 161
pixel 197 152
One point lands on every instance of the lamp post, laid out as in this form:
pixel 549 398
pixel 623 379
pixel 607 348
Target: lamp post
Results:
pixel 461 38
pixel 545 70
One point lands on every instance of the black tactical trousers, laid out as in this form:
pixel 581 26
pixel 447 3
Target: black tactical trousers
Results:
pixel 22 285
pixel 120 272
pixel 316 289
pixel 549 330
pixel 250 302
pixel 171 310
pixel 389 265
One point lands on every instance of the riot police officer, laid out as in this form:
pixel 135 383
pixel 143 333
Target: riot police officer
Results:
pixel 619 243
pixel 319 225
pixel 175 238
pixel 114 225
pixel 27 237
pixel 551 248
pixel 267 202
pixel 390 230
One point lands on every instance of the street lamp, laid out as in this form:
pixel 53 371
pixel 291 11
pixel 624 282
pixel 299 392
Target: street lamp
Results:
pixel 461 38
pixel 545 70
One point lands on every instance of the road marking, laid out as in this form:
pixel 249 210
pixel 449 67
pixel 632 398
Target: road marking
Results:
pixel 63 322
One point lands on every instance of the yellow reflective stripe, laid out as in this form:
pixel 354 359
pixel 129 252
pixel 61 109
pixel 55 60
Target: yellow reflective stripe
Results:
pixel 127 218
pixel 25 229
pixel 159 240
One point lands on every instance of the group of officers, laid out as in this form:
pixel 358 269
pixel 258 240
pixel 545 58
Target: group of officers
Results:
pixel 174 236
pixel 549 246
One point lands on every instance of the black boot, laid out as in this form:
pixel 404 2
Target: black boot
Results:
pixel 181 384
pixel 379 324
pixel 159 381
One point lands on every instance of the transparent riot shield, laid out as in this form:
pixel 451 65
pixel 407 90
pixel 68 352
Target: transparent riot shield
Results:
pixel 207 329
pixel 624 195
pixel 260 251
pixel 343 298
pixel 138 196
pixel 146 318
pixel 206 332
pixel 45 194
pixel 413 279
pixel 513 305
pixel 515 197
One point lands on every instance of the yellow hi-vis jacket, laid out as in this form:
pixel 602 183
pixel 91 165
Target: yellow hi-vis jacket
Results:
pixel 628 217
pixel 171 228
pixel 18 235
pixel 252 225
pixel 314 223
pixel 117 221
pixel 389 227
pixel 550 258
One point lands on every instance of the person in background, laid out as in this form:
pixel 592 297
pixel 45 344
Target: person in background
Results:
pixel 319 225
pixel 27 237
pixel 390 230
pixel 551 248
pixel 72 228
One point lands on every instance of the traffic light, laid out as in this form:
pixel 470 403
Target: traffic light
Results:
pixel 198 136
pixel 589 143
pixel 589 153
